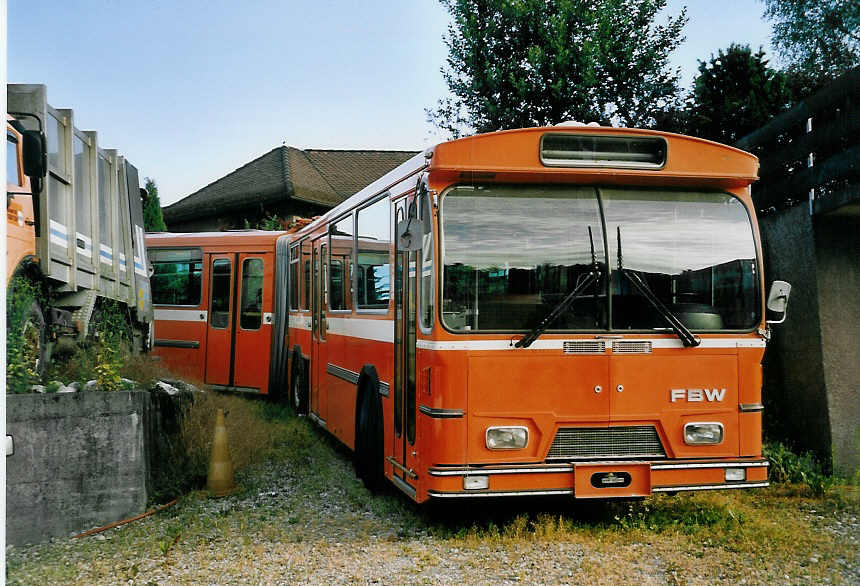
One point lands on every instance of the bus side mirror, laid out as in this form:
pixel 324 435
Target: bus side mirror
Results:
pixel 409 233
pixel 34 154
pixel 777 301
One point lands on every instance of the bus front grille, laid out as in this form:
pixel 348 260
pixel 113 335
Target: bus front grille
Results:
pixel 584 443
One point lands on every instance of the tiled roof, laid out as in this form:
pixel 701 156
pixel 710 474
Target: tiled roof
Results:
pixel 325 177
pixel 349 171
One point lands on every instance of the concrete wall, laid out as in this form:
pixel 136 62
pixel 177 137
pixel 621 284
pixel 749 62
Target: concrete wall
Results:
pixel 812 364
pixel 795 394
pixel 79 462
pixel 837 246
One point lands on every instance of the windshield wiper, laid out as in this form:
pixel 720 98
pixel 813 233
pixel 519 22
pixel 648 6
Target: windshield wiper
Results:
pixel 533 335
pixel 687 337
pixel 592 276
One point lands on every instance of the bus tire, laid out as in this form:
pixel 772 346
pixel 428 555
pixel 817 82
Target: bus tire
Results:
pixel 369 439
pixel 299 385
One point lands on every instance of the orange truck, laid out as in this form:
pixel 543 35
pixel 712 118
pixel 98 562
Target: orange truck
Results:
pixel 74 224
pixel 573 310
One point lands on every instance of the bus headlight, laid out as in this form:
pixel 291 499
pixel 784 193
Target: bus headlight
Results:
pixel 697 434
pixel 507 438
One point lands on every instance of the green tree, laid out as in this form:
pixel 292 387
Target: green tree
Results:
pixel 153 220
pixel 819 40
pixel 521 63
pixel 735 93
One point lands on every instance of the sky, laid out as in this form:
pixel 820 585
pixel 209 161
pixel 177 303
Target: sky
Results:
pixel 188 91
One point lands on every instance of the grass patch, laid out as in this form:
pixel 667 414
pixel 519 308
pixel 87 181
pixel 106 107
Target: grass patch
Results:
pixel 255 431
pixel 254 434
pixel 301 508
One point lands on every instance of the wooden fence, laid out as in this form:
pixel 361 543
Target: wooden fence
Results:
pixel 811 153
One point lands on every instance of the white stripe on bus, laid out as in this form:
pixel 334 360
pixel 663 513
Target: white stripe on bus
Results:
pixel 559 344
pixel 383 330
pixel 180 315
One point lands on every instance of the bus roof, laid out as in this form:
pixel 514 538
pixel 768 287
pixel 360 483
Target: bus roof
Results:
pixel 514 156
pixel 235 237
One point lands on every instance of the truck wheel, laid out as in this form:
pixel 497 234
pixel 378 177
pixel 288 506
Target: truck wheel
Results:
pixel 299 386
pixel 34 339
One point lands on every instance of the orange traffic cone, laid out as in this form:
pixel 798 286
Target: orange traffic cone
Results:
pixel 220 480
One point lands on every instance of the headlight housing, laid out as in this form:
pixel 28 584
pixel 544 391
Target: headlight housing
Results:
pixel 514 437
pixel 703 434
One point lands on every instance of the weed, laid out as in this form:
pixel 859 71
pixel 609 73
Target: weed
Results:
pixel 252 437
pixel 517 528
pixel 686 513
pixel 144 370
pixel 22 336
pixel 789 467
pixel 255 429
pixel 112 335
pixel 272 222
pixel 170 539
pixel 105 355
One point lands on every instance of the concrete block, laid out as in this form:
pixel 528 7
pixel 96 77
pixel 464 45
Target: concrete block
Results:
pixel 80 461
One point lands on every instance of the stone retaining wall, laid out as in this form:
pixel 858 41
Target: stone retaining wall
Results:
pixel 80 461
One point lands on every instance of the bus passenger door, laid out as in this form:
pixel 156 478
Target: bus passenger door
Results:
pixel 252 348
pixel 219 332
pixel 319 351
pixel 405 408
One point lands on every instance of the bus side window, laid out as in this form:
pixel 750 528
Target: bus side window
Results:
pixel 177 276
pixel 425 296
pixel 252 294
pixel 373 267
pixel 341 245
pixel 306 275
pixel 219 308
pixel 294 277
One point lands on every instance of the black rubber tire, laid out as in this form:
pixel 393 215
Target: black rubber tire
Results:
pixel 35 329
pixel 299 385
pixel 369 441
pixel 362 412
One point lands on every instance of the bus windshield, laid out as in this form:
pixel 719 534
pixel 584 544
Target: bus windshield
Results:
pixel 512 253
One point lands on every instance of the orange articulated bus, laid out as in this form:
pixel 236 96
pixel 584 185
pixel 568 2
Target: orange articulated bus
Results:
pixel 215 324
pixel 548 311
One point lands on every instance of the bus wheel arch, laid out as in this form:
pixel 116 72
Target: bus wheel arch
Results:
pixel 369 433
pixel 298 383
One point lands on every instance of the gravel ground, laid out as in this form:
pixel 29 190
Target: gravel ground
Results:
pixel 288 527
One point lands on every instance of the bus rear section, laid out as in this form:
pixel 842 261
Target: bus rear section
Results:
pixel 215 297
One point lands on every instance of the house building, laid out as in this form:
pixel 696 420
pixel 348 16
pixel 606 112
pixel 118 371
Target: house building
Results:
pixel 286 181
